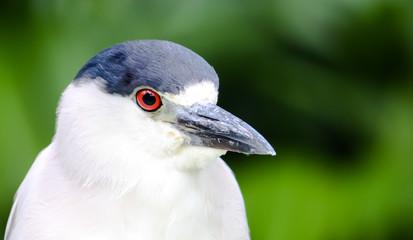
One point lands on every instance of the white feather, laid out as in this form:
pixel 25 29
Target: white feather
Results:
pixel 203 92
pixel 132 180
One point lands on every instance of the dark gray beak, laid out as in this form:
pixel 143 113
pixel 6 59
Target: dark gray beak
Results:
pixel 211 126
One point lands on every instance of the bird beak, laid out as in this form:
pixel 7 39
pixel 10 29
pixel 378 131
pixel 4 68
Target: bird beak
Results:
pixel 211 126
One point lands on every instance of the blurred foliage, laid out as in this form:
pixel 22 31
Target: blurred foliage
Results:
pixel 328 82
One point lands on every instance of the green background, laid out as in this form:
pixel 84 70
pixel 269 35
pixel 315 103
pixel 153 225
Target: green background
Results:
pixel 328 82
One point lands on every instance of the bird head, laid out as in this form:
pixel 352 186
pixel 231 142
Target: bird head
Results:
pixel 145 105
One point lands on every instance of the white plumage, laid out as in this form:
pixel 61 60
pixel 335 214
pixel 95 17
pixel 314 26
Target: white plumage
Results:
pixel 114 171
pixel 124 182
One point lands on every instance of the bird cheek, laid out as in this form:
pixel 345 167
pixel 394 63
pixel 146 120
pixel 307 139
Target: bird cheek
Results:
pixel 173 139
pixel 174 135
pixel 194 157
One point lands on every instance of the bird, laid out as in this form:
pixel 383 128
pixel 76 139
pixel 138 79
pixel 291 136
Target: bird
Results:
pixel 136 154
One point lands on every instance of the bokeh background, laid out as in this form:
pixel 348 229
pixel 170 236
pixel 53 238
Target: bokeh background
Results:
pixel 328 82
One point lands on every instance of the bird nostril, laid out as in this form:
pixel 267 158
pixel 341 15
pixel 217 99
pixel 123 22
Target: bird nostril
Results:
pixel 208 117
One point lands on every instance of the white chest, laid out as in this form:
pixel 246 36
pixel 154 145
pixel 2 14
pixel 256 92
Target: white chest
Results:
pixel 178 205
pixel 204 205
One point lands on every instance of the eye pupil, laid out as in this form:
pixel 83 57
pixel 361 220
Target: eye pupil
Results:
pixel 149 99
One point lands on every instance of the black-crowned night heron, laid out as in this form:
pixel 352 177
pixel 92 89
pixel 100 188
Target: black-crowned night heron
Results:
pixel 136 154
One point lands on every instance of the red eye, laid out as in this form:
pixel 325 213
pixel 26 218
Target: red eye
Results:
pixel 148 100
